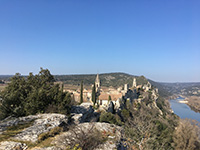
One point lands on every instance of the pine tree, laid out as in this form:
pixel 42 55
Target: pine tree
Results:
pixel 81 94
pixel 109 98
pixel 94 94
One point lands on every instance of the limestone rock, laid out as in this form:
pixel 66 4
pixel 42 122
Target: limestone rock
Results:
pixel 82 109
pixel 84 113
pixel 11 121
pixel 10 145
pixel 44 123
pixel 47 148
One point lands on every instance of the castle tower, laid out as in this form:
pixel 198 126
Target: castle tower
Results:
pixel 134 83
pixel 97 83
pixel 126 87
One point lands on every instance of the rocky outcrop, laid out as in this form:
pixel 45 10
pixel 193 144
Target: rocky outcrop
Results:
pixel 47 148
pixel 44 123
pixel 10 145
pixel 84 113
pixel 84 119
pixel 11 121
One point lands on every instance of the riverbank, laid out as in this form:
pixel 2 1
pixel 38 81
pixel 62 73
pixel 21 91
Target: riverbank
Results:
pixel 183 110
pixel 194 103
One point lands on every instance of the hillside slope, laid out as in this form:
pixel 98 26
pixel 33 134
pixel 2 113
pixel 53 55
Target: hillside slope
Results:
pixel 107 79
pixel 110 79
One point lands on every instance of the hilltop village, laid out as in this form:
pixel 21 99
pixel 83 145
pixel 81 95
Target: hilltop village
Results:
pixel 116 96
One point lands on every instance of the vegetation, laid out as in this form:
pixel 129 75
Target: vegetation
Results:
pixel 107 79
pixel 83 139
pixel 34 94
pixel 108 117
pixel 194 103
pixel 147 129
pixel 81 94
pixel 187 135
pixel 109 98
pixel 94 94
pixel 51 133
pixel 186 89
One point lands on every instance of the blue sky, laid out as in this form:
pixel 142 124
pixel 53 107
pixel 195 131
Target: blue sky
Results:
pixel 154 38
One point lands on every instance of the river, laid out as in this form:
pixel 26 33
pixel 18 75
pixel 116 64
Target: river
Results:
pixel 183 110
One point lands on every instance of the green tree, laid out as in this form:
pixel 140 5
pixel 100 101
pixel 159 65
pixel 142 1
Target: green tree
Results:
pixel 94 94
pixel 34 94
pixel 81 94
pixel 14 97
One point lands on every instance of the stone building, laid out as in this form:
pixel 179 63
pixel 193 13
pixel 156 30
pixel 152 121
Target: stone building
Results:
pixel 134 83
pixel 147 86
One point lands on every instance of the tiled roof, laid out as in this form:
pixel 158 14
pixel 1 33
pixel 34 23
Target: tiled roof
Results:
pixel 104 96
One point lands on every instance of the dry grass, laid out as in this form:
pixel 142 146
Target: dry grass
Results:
pixel 45 143
pixel 3 86
pixel 53 132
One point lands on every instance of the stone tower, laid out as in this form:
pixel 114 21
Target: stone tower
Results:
pixel 126 87
pixel 97 83
pixel 134 83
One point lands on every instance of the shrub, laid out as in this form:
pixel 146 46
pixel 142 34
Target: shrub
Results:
pixel 43 136
pixel 108 117
pixel 51 133
pixel 125 114
pixel 55 131
pixel 82 138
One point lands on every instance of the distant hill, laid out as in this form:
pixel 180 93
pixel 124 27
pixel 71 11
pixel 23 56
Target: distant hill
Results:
pixel 5 77
pixel 107 79
pixel 119 79
pixel 185 89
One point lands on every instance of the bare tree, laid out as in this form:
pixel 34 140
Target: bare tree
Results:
pixel 186 136
pixel 81 137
